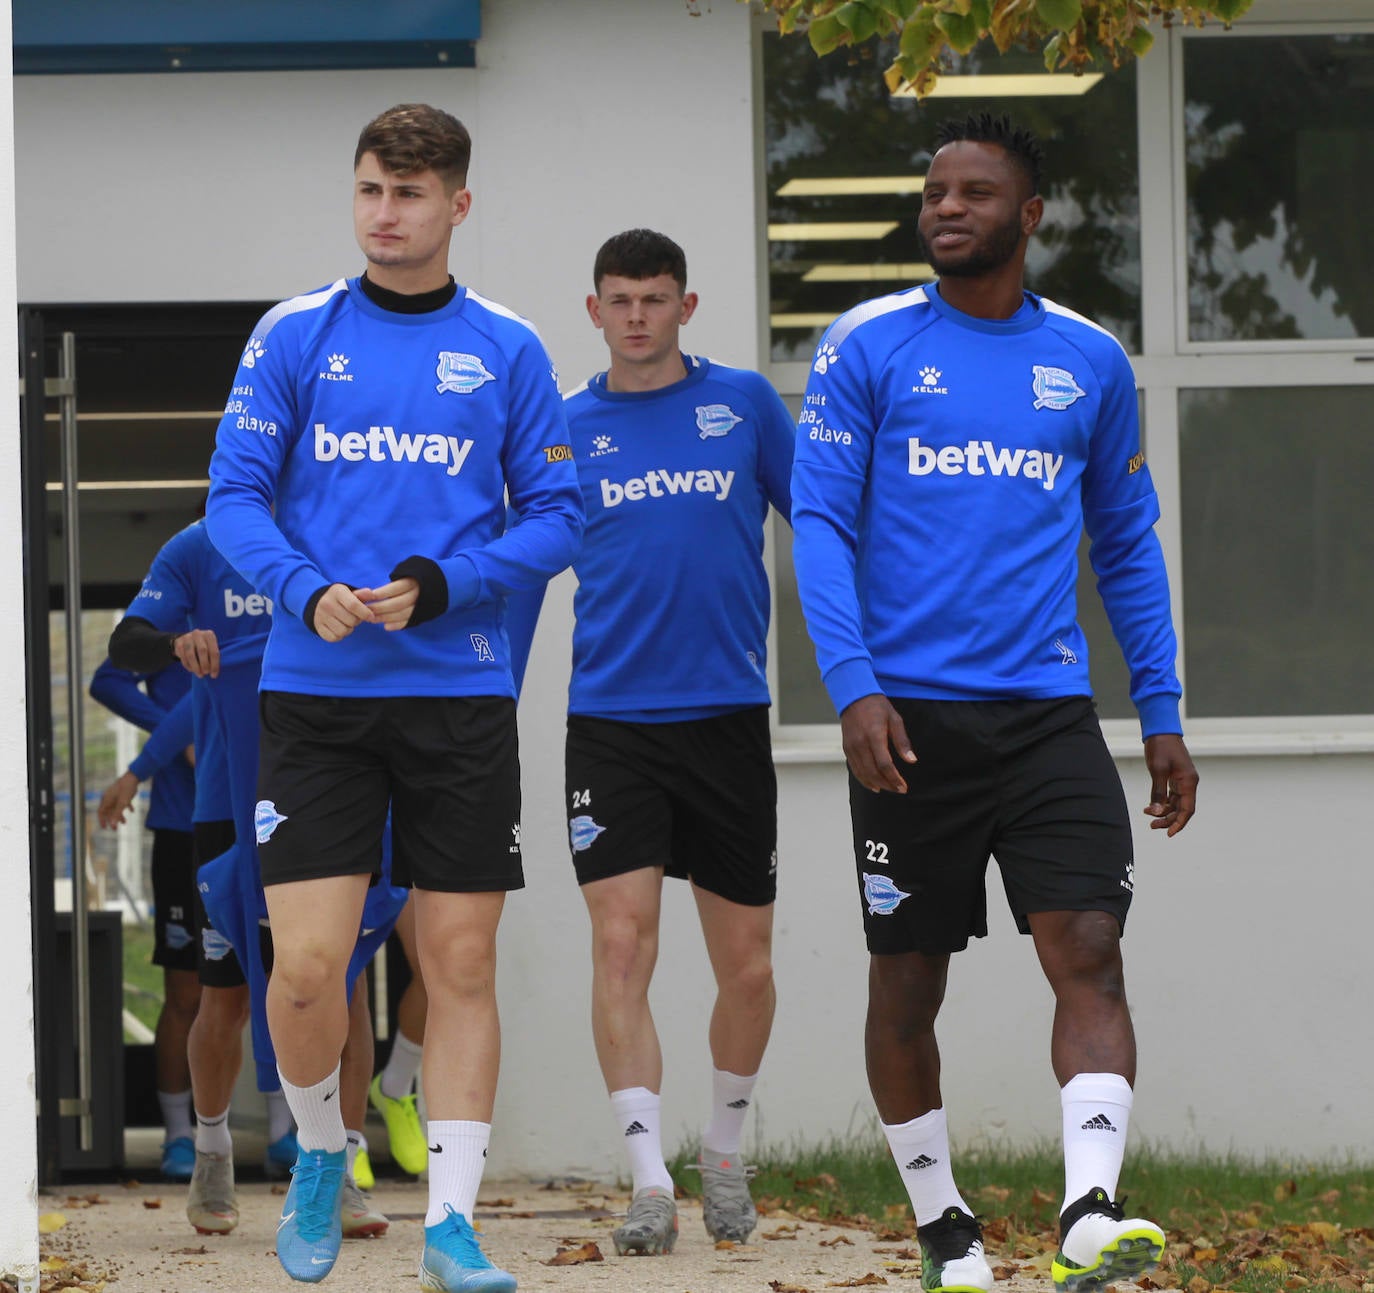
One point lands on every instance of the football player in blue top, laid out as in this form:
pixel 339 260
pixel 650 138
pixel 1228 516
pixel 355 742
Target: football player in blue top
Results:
pixel 360 480
pixel 955 442
pixel 669 763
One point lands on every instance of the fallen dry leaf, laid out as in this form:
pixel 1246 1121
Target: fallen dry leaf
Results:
pixel 190 1252
pixel 1041 1198
pixel 779 1287
pixel 1199 1285
pixel 496 1203
pixel 861 1282
pixel 1004 1270
pixel 152 1203
pixel 587 1252
pixel 724 1245
pixel 837 1241
pixel 782 1232
pixel 51 1221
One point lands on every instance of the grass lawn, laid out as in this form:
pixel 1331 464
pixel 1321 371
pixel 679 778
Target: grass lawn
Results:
pixel 1255 1227
pixel 142 979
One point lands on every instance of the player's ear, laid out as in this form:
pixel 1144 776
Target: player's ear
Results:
pixel 689 306
pixel 460 203
pixel 594 308
pixel 1032 212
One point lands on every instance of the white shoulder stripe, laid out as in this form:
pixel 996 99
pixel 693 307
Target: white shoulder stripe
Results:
pixel 495 308
pixel 576 391
pixel 874 309
pixel 1064 312
pixel 311 301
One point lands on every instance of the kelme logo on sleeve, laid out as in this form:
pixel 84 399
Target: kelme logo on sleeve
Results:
pixel 461 373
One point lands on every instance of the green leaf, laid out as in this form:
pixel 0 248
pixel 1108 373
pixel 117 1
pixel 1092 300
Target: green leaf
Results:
pixel 1060 15
pixel 1139 41
pixel 903 9
pixel 961 30
pixel 826 34
pixel 859 21
pixel 1229 10
pixel 981 13
pixel 1052 48
pixel 921 39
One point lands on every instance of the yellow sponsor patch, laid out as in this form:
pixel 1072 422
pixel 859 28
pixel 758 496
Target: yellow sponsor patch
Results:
pixel 1135 463
pixel 558 453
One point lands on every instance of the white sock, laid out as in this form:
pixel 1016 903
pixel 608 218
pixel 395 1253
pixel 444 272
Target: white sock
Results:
pixel 1097 1111
pixel 921 1149
pixel 212 1134
pixel 279 1119
pixel 638 1119
pixel 731 1096
pixel 357 1144
pixel 176 1114
pixel 457 1159
pixel 401 1067
pixel 319 1124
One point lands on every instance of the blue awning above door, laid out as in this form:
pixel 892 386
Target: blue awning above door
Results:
pixel 87 36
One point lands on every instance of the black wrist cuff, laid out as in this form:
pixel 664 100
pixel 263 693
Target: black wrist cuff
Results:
pixel 433 600
pixel 308 614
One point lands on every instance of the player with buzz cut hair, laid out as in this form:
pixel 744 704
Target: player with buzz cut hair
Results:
pixel 956 441
pixel 373 433
pixel 669 763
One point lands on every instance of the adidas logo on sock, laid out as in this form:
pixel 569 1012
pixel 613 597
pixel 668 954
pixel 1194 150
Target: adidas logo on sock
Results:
pixel 738 1104
pixel 1098 1122
pixel 636 1128
pixel 920 1161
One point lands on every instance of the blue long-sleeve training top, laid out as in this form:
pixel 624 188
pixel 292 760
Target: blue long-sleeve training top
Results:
pixel 672 599
pixel 378 436
pixel 946 466
pixel 160 708
pixel 191 586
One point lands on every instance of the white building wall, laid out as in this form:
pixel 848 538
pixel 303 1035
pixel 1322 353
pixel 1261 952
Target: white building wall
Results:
pixel 1248 939
pixel 19 1180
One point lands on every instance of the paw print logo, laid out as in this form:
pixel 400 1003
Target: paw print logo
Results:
pixel 930 376
pixel 602 442
pixel 337 363
pixel 252 352
pixel 825 356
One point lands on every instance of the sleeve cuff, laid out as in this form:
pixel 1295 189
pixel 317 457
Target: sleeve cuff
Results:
pixel 1158 715
pixel 464 583
pixel 847 682
pixel 308 610
pixel 433 598
pixel 301 591
pixel 142 767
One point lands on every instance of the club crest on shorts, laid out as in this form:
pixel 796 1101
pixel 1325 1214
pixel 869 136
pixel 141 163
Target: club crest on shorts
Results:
pixel 582 832
pixel 266 819
pixel 716 419
pixel 882 895
pixel 215 946
pixel 461 373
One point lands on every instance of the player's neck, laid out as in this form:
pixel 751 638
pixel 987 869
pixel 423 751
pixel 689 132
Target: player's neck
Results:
pixel 633 379
pixel 409 280
pixel 997 295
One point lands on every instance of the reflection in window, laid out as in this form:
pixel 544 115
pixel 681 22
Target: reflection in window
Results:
pixel 845 161
pixel 1280 132
pixel 802 698
pixel 1278 551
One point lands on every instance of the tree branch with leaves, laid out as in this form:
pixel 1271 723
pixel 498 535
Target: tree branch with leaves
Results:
pixel 1073 34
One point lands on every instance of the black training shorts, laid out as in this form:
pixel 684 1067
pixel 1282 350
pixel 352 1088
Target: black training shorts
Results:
pixel 1029 782
pixel 447 767
pixel 174 901
pixel 698 798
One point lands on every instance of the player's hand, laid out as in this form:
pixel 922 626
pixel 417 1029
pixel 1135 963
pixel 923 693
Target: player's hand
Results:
pixel 189 754
pixel 393 603
pixel 198 650
pixel 872 730
pixel 340 611
pixel 1173 783
pixel 116 801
